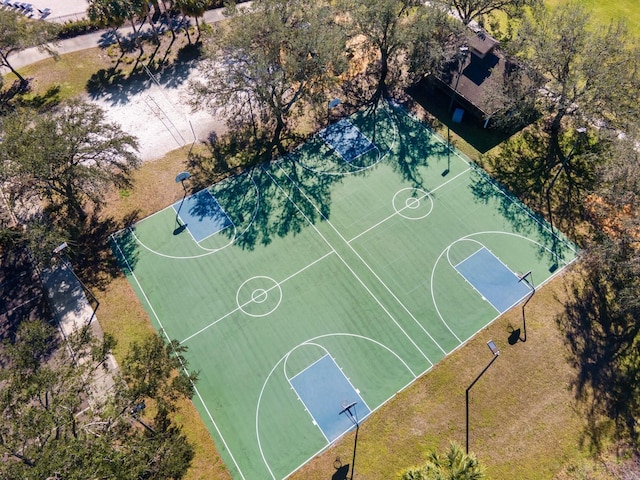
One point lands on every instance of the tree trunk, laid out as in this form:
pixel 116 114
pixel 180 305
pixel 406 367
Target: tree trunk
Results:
pixel 276 141
pixel 5 62
pixel 382 90
pixel 555 154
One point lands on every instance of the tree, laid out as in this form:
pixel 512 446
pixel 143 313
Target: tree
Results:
pixel 269 62
pixel 394 31
pixel 590 72
pixel 192 8
pixel 68 157
pixel 600 321
pixel 49 429
pixel 114 13
pixel 454 465
pixel 107 14
pixel 469 10
pixel 18 33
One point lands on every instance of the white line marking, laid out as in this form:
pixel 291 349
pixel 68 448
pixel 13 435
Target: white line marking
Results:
pixel 346 264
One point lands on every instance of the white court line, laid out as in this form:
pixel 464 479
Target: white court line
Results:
pixel 372 271
pixel 337 366
pixel 284 372
pixel 395 213
pixel 284 357
pixel 184 368
pixel 208 251
pixel 308 366
pixel 277 284
pixel 482 246
pixel 346 264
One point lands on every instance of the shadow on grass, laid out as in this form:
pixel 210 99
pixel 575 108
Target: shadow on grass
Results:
pixel 602 335
pixel 341 473
pixel 23 298
pixel 96 258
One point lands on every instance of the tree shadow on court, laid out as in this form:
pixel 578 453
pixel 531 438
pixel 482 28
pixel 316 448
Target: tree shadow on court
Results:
pixel 414 148
pixel 523 221
pixel 523 167
pixel 270 200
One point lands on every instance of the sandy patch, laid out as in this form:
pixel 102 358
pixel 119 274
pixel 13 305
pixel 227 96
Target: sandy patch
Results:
pixel 156 111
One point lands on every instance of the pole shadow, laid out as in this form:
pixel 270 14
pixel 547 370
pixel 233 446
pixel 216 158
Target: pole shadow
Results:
pixel 341 470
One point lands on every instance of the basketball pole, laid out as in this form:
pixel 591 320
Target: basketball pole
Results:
pixel 523 278
pixel 353 416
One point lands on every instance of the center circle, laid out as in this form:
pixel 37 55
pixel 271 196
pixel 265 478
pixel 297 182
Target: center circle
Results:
pixel 412 203
pixel 259 296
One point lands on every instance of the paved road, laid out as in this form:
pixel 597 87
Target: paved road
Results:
pixel 91 40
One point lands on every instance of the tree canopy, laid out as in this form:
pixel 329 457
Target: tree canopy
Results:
pixel 455 464
pixel 18 33
pixel 394 31
pixel 54 427
pixel 269 60
pixel 468 10
pixel 67 157
pixel 590 71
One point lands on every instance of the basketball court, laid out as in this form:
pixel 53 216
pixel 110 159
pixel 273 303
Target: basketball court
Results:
pixel 330 278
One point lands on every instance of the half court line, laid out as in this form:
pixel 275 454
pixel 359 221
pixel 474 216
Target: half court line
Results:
pixel 402 305
pixel 405 207
pixel 346 264
pixel 277 284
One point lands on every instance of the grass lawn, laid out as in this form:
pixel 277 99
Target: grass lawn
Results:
pixel 610 10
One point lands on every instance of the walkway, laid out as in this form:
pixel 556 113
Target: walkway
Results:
pixel 91 40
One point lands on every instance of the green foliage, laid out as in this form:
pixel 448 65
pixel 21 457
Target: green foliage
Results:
pixel 469 10
pixel 148 370
pixel 18 33
pixel 453 465
pixel 590 71
pixel 394 30
pixel 46 431
pixel 77 27
pixel 268 62
pixel 66 156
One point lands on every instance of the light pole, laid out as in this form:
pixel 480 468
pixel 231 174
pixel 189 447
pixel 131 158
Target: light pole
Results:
pixel 580 131
pixel 350 411
pixel 462 55
pixel 496 353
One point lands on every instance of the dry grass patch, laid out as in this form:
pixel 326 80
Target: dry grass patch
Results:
pixel 523 423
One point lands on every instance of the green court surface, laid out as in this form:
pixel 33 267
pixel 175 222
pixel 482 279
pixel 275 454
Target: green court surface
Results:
pixel 369 255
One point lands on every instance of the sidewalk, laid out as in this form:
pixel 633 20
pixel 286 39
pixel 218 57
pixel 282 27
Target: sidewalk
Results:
pixel 73 311
pixel 101 38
